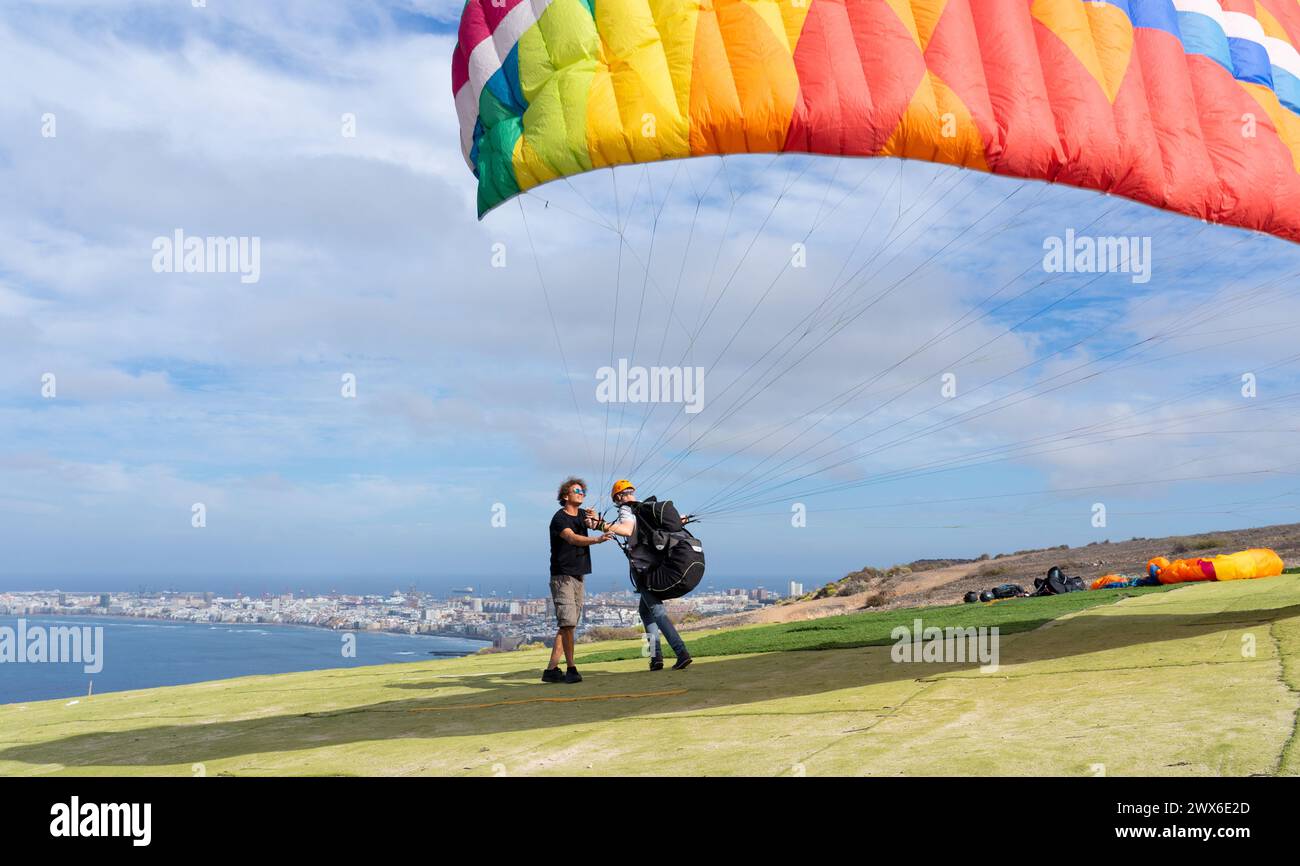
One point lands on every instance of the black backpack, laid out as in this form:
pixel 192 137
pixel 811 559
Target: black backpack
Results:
pixel 655 516
pixel 1056 583
pixel 678 555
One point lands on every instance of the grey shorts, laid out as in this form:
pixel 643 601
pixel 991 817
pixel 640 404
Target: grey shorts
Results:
pixel 567 591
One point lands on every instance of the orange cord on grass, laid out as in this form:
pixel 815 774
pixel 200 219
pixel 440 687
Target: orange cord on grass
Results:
pixel 665 694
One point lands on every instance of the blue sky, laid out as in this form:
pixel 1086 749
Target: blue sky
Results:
pixel 176 389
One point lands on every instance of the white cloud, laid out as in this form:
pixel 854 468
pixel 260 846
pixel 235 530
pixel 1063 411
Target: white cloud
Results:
pixel 227 121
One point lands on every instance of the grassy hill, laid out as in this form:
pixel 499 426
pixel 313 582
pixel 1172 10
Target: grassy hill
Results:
pixel 1125 683
pixel 873 628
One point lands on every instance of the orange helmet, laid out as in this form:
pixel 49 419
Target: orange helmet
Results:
pixel 620 485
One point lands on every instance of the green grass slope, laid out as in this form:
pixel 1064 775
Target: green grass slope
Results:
pixel 1198 680
pixel 873 628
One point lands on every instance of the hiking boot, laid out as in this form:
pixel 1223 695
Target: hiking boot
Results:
pixel 572 676
pixel 682 662
pixel 657 663
pixel 552 675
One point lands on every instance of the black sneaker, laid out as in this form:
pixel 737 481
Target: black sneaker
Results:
pixel 572 676
pixel 552 675
pixel 682 662
pixel 657 663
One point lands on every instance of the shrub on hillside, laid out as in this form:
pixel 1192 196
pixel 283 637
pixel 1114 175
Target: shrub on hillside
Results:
pixel 604 632
pixel 1043 549
pixel 1200 542
pixel 877 598
pixel 863 580
pixel 931 564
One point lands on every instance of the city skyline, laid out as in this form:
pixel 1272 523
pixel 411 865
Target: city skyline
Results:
pixel 505 621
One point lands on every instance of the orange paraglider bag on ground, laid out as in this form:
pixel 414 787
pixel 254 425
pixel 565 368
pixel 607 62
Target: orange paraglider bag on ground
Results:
pixel 1106 581
pixel 1245 565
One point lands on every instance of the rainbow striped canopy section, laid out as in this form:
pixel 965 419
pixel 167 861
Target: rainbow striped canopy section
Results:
pixel 1188 105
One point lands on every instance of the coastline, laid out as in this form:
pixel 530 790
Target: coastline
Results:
pixel 149 652
pixel 120 617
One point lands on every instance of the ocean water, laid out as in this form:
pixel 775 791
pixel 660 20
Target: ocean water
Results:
pixel 141 654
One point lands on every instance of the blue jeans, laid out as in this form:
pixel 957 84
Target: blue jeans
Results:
pixel 655 617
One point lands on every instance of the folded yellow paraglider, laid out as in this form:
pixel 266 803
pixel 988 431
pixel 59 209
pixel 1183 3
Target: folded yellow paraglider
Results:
pixel 1245 565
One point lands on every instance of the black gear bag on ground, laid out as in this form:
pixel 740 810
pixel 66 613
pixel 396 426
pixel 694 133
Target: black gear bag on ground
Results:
pixel 678 555
pixel 1056 583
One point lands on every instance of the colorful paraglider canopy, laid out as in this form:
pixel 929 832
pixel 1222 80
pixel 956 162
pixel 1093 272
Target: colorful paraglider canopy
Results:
pixel 1188 105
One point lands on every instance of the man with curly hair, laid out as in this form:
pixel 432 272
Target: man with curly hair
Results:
pixel 570 563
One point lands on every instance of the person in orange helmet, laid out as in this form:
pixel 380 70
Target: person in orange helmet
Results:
pixel 640 558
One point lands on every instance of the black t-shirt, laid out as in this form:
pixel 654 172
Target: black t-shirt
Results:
pixel 569 558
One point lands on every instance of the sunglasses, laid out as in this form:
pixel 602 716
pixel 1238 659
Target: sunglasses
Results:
pixel 578 490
